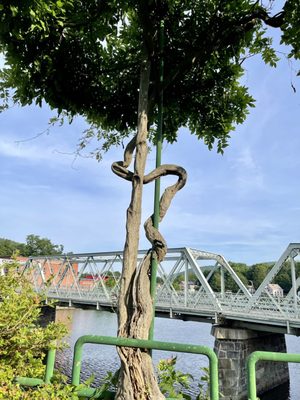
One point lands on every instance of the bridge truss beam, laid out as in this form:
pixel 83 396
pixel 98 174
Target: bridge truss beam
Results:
pixel 94 278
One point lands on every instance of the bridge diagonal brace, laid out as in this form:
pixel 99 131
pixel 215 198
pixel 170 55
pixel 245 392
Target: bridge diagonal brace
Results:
pixel 199 274
pixel 293 248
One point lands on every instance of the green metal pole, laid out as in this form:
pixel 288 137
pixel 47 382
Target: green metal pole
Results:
pixel 50 365
pixel 30 382
pixel 159 140
pixel 77 358
pixel 148 344
pixel 264 356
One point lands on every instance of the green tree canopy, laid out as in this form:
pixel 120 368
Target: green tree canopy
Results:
pixel 9 247
pixel 34 246
pixel 258 272
pixel 37 246
pixel 241 271
pixel 84 58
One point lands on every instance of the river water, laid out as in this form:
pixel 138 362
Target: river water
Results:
pixel 98 360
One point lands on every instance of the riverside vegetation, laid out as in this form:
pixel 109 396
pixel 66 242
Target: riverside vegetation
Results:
pixel 23 344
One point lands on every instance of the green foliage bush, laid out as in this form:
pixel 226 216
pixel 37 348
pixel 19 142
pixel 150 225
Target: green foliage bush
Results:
pixel 57 391
pixel 23 343
pixel 174 383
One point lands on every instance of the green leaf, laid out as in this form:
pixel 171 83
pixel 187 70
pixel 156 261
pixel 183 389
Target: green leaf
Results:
pixel 14 10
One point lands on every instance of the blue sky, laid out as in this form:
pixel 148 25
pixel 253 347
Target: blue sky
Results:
pixel 244 204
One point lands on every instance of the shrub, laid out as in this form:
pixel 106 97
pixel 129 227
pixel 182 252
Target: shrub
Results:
pixel 173 383
pixel 23 343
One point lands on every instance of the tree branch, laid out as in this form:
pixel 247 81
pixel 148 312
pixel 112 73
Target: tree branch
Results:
pixel 219 39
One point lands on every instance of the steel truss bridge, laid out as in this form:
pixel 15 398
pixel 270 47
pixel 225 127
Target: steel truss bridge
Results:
pixel 93 279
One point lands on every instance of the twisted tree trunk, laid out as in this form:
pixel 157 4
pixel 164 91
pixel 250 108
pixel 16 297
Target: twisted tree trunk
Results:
pixel 137 379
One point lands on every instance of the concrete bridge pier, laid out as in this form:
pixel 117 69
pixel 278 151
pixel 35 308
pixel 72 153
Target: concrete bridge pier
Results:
pixel 233 346
pixel 57 314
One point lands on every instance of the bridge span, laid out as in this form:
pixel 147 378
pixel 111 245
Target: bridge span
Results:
pixel 93 279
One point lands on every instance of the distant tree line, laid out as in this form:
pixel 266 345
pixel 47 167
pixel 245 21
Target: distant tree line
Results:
pixel 34 246
pixel 250 275
pixel 254 275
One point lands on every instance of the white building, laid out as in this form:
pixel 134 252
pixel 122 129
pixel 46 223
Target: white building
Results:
pixel 274 290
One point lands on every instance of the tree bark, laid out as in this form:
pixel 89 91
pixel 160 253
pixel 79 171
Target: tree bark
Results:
pixel 137 380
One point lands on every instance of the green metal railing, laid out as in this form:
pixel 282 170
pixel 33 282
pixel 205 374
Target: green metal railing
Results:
pixel 148 344
pixel 264 356
pixel 124 342
pixel 87 392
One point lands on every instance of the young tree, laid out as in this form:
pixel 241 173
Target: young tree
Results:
pixel 37 246
pixel 102 60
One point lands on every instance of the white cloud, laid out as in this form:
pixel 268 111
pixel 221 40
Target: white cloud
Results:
pixel 248 174
pixel 245 160
pixel 10 149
